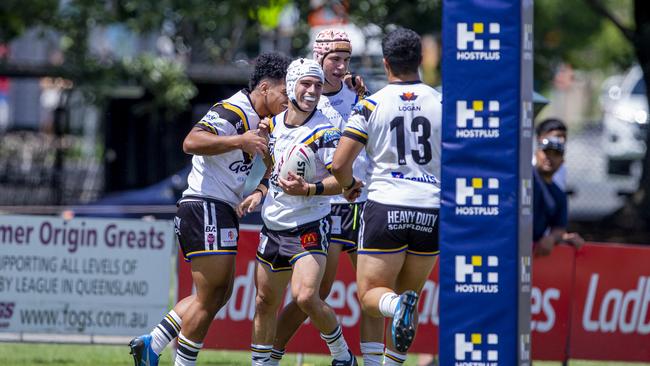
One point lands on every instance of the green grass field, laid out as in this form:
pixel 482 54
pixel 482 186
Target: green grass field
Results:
pixel 32 354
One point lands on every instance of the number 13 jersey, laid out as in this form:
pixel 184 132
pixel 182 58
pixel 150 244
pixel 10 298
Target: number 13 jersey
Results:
pixel 401 128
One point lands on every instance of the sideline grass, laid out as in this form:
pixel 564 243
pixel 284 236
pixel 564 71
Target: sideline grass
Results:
pixel 35 354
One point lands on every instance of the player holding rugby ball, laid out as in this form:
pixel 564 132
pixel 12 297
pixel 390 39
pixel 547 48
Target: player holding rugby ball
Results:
pixel 295 236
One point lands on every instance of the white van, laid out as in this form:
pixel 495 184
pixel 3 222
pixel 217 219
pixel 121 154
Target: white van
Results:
pixel 625 121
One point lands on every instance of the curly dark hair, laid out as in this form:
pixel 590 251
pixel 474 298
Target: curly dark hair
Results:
pixel 269 65
pixel 402 50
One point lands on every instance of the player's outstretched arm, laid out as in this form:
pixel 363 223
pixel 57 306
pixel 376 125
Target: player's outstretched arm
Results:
pixel 201 142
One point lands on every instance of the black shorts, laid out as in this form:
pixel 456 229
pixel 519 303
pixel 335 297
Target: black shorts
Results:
pixel 346 219
pixel 392 229
pixel 206 227
pixel 281 249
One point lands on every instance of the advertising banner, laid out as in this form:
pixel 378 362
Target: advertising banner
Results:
pixel 232 326
pixel 83 276
pixel 485 226
pixel 551 300
pixel 611 313
pixel 577 300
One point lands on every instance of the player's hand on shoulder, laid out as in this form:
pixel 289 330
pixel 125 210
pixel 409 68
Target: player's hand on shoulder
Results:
pixel 264 128
pixel 253 143
pixel 249 203
pixel 294 185
pixel 356 83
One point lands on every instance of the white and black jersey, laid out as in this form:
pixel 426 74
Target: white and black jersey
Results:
pixel 401 128
pixel 338 105
pixel 282 211
pixel 223 176
pixel 337 108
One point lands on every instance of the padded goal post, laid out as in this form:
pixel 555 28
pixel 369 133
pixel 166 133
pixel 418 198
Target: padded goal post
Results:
pixel 486 213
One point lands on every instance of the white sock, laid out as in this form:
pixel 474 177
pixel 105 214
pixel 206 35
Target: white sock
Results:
pixel 276 356
pixel 188 351
pixel 372 352
pixel 260 354
pixel 392 358
pixel 337 345
pixel 165 331
pixel 388 304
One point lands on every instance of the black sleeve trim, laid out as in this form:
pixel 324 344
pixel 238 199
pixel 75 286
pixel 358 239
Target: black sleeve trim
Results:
pixel 355 137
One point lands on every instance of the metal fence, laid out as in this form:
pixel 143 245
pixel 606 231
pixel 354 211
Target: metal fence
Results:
pixel 43 169
pixel 594 191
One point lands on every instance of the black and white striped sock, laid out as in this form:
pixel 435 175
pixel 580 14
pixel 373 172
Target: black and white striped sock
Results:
pixel 276 356
pixel 260 354
pixel 165 331
pixel 392 358
pixel 373 353
pixel 188 351
pixel 337 345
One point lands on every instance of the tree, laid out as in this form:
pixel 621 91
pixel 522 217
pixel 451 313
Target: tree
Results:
pixel 564 32
pixel 636 214
pixel 189 31
pixel 571 32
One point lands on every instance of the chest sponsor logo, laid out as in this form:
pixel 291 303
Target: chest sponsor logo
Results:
pixel 240 166
pixel 424 178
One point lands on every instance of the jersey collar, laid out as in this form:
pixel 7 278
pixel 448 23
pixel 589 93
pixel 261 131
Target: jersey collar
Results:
pixel 284 119
pixel 330 94
pixel 406 82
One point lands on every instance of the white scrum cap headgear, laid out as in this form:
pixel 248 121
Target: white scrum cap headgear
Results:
pixel 297 70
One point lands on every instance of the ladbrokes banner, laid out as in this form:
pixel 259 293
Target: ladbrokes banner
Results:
pixel 611 317
pixel 485 227
pixel 232 326
pixel 610 306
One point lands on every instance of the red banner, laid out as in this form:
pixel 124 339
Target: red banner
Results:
pixel 551 303
pixel 611 319
pixel 597 298
pixel 232 326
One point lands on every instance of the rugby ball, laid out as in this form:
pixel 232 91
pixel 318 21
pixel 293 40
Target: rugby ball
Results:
pixel 299 159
